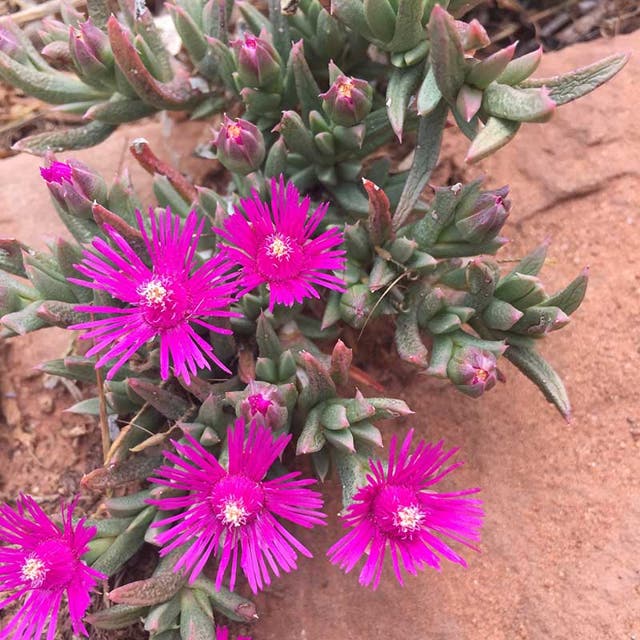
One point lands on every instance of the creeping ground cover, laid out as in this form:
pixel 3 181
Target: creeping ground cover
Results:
pixel 214 325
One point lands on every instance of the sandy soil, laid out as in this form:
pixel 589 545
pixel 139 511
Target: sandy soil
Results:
pixel 560 558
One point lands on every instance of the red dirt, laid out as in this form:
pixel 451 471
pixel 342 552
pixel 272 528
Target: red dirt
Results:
pixel 560 557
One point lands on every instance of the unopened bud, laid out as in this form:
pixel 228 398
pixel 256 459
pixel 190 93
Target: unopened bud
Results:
pixel 348 100
pixel 98 41
pixel 487 217
pixel 259 64
pixel 261 402
pixel 240 145
pixel 74 186
pixel 472 370
pixel 86 57
pixel 484 224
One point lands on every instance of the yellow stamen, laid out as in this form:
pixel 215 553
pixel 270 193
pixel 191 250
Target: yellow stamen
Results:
pixel 234 131
pixel 345 87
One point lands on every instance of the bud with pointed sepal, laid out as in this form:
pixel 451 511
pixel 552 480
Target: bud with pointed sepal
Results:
pixel 348 100
pixel 487 218
pixel 74 186
pixel 259 64
pixel 472 370
pixel 264 403
pixel 240 145
pixel 89 67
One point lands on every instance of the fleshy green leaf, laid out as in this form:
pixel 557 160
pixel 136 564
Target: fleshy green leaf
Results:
pixel 447 57
pixel 575 84
pixel 495 134
pixel 540 372
pixel 424 161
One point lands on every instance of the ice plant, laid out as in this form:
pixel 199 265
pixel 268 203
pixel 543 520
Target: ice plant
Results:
pixel 232 513
pixel 40 563
pixel 399 509
pixel 424 259
pixel 273 243
pixel 165 300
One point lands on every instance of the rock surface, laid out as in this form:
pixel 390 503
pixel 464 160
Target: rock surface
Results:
pixel 560 557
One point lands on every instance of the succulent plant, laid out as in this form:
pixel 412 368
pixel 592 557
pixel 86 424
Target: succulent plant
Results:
pixel 317 232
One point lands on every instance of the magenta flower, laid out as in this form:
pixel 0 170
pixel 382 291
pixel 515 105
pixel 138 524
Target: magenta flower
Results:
pixel 40 564
pixel 163 301
pixel 397 508
pixel 231 512
pixel 222 633
pixel 57 172
pixel 273 244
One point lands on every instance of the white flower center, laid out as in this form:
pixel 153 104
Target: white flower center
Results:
pixel 154 292
pixel 408 518
pixel 33 571
pixel 234 513
pixel 278 247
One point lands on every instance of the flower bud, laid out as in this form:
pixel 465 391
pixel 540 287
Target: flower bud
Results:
pixel 240 145
pixel 472 370
pixel 91 53
pixel 487 217
pixel 97 41
pixel 262 402
pixel 259 64
pixel 74 186
pixel 348 100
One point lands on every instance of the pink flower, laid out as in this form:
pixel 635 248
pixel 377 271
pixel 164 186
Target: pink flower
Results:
pixel 163 301
pixel 231 512
pixel 273 244
pixel 40 564
pixel 57 172
pixel 398 508
pixel 222 633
